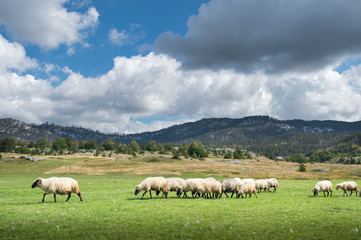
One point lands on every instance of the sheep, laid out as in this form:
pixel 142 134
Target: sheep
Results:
pixel 247 186
pixel 262 184
pixel 347 186
pixel 174 183
pixel 190 185
pixel 210 186
pixel 272 182
pixel 153 183
pixel 230 186
pixel 57 185
pixel 324 186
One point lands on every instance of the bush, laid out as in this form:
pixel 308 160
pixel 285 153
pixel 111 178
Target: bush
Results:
pixel 302 167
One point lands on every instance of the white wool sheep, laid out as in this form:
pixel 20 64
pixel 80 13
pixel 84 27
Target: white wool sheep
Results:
pixel 347 186
pixel 247 186
pixel 324 186
pixel 174 183
pixel 272 182
pixel 190 185
pixel 55 185
pixel 262 184
pixel 230 186
pixel 210 186
pixel 153 183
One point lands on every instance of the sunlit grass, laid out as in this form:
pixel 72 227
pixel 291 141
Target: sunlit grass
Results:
pixel 110 210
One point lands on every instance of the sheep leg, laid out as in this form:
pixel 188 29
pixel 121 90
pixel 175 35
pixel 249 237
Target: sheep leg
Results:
pixel 150 193
pixel 324 194
pixel 351 193
pixel 54 197
pixel 143 194
pixel 69 195
pixel 43 197
pixel 80 197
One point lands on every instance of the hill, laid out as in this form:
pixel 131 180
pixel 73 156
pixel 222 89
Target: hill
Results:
pixel 261 134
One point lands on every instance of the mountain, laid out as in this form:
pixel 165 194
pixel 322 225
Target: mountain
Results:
pixel 258 133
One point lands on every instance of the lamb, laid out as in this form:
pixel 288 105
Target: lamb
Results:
pixel 153 183
pixel 324 186
pixel 174 183
pixel 57 185
pixel 247 186
pixel 347 186
pixel 190 185
pixel 272 182
pixel 210 186
pixel 262 184
pixel 230 186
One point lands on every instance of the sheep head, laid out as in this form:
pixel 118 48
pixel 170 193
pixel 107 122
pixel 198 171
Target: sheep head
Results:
pixel 137 189
pixel 315 192
pixel 36 183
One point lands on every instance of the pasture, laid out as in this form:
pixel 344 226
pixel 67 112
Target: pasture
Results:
pixel 110 209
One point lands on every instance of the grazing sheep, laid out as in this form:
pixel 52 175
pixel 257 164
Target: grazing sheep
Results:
pixel 262 184
pixel 272 182
pixel 347 186
pixel 153 183
pixel 190 185
pixel 230 186
pixel 210 186
pixel 324 186
pixel 55 185
pixel 247 186
pixel 174 183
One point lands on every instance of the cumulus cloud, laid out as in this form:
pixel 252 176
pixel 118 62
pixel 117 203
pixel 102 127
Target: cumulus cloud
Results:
pixel 273 36
pixel 156 87
pixel 46 23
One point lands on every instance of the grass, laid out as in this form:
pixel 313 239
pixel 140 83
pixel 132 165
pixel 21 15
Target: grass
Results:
pixel 110 209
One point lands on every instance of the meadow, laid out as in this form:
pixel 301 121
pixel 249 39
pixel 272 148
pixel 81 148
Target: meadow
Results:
pixel 110 209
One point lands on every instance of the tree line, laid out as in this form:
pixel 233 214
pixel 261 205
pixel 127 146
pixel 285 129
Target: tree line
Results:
pixel 69 146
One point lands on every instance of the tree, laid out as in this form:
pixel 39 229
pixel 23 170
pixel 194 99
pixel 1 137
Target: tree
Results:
pixel 196 150
pixel 7 145
pixel 59 144
pixel 238 153
pixel 133 147
pixel 151 146
pixel 228 155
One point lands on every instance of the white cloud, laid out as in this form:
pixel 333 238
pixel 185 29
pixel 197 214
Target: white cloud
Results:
pixel 123 37
pixel 157 87
pixel 12 55
pixel 46 23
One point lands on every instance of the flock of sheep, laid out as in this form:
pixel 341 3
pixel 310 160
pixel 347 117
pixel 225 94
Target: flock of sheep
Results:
pixel 205 187
pixel 199 187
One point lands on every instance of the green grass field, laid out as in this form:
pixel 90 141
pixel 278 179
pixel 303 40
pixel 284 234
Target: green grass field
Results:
pixel 110 210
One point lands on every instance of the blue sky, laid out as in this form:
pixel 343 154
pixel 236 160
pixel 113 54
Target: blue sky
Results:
pixel 133 66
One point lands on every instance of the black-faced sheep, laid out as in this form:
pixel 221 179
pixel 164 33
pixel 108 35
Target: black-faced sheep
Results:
pixel 230 186
pixel 210 187
pixel 324 186
pixel 174 183
pixel 152 183
pixel 55 185
pixel 262 184
pixel 272 182
pixel 347 186
pixel 247 186
pixel 190 185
